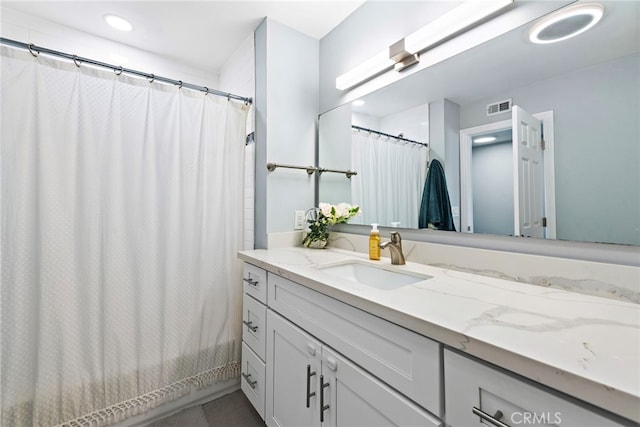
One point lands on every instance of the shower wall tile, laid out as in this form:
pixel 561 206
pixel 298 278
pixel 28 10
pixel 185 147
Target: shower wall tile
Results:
pixel 238 76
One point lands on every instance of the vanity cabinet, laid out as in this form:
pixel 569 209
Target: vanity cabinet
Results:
pixel 304 351
pixel 320 361
pixel 405 360
pixel 254 334
pixel 479 395
pixel 313 385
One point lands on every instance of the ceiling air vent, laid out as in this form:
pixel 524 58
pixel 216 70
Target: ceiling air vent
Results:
pixel 499 107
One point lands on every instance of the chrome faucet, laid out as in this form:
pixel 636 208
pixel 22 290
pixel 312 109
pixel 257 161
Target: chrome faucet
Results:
pixel 395 247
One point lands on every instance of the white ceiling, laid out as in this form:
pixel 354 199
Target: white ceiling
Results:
pixel 202 34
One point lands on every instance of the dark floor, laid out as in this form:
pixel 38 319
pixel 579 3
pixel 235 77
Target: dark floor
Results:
pixel 232 410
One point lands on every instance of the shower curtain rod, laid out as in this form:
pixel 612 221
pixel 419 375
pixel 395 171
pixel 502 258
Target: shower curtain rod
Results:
pixel 389 135
pixel 36 50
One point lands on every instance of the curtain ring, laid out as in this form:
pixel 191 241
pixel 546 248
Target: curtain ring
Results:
pixel 180 85
pixel 206 91
pixel 75 61
pixel 153 77
pixel 31 49
pixel 118 71
pixel 228 97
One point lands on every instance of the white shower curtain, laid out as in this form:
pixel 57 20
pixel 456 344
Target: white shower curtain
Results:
pixel 121 206
pixel 391 175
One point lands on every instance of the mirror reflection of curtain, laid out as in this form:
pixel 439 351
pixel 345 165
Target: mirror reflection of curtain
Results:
pixel 391 176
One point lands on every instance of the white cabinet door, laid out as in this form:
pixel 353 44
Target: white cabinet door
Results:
pixel 352 397
pixel 293 375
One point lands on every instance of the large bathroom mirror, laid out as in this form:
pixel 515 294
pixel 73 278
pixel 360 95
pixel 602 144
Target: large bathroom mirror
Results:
pixel 586 93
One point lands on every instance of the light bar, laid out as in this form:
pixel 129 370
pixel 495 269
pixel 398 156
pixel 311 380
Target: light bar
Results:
pixel 447 25
pixel 452 22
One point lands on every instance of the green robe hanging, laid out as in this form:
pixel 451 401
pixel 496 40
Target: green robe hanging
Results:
pixel 435 209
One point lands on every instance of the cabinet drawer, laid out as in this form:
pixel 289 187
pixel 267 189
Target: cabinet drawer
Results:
pixel 254 333
pixel 406 361
pixel 252 381
pixel 470 384
pixel 254 280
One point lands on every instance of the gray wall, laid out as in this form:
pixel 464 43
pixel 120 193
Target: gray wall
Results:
pixel 597 177
pixel 286 114
pixel 492 169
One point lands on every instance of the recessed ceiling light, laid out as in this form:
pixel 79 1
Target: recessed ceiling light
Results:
pixel 484 139
pixel 566 23
pixel 118 23
pixel 358 103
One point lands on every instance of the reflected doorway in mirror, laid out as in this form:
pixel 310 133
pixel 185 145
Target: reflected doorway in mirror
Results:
pixel 544 191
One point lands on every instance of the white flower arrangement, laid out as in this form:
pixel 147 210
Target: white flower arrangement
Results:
pixel 320 218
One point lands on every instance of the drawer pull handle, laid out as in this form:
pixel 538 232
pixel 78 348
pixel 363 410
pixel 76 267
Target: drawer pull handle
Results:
pixel 310 393
pixel 247 377
pixel 323 407
pixel 495 420
pixel 250 281
pixel 250 326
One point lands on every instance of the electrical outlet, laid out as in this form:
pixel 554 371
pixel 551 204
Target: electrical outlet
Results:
pixel 298 223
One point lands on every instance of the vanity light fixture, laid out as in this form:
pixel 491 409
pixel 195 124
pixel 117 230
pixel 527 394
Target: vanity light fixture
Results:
pixel 453 22
pixel 484 139
pixel 406 52
pixel 118 22
pixel 566 23
pixel 368 69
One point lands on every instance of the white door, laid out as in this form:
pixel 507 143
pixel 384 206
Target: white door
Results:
pixel 293 375
pixel 528 167
pixel 352 397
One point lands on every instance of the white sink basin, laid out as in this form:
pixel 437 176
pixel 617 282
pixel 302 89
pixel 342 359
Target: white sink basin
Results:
pixel 381 277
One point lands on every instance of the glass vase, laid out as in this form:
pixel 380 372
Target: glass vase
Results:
pixel 317 244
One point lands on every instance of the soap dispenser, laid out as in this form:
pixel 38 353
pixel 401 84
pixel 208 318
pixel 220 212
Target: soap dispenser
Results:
pixel 374 243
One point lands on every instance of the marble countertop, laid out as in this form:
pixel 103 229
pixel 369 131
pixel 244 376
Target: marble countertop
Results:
pixel 585 346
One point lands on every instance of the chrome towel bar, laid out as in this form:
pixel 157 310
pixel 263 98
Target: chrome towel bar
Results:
pixel 310 169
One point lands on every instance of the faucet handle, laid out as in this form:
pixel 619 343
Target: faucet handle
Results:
pixel 395 237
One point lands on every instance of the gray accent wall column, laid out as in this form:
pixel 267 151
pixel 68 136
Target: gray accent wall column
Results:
pixel 286 116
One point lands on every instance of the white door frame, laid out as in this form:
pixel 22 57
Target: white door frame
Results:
pixel 466 185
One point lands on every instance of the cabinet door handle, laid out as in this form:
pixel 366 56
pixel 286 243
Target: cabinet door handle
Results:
pixel 250 326
pixel 495 420
pixel 310 393
pixel 250 281
pixel 323 407
pixel 247 377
